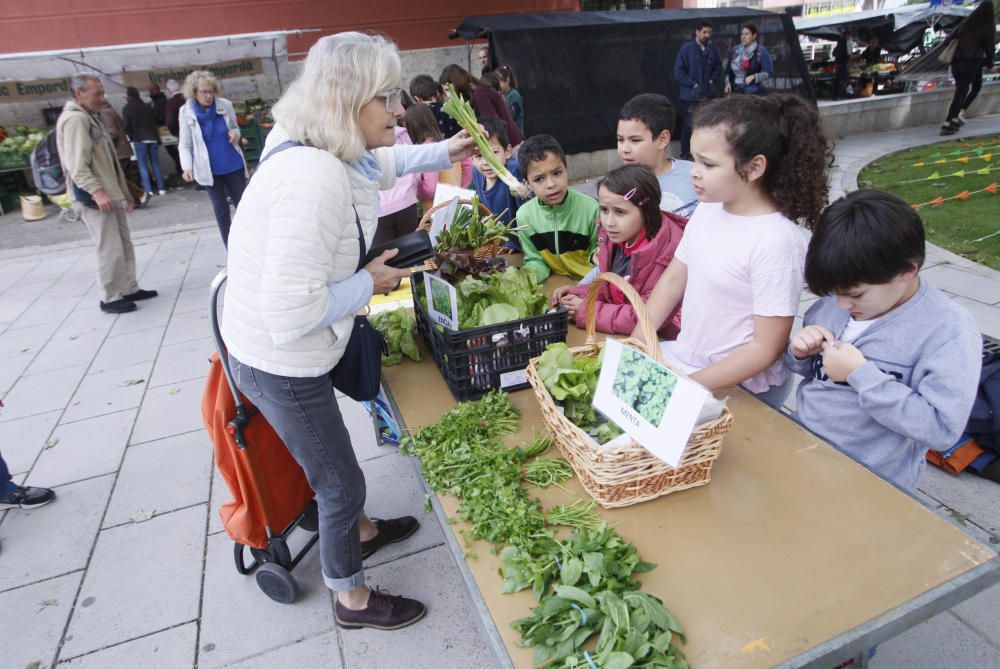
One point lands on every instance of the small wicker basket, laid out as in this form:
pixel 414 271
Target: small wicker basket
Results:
pixel 490 250
pixel 625 475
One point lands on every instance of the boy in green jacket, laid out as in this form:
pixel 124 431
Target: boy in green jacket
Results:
pixel 557 227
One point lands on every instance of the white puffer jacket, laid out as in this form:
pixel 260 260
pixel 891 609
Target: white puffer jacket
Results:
pixel 191 145
pixel 293 233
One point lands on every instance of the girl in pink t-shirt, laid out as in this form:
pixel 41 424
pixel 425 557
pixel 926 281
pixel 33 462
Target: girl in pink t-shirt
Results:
pixel 760 165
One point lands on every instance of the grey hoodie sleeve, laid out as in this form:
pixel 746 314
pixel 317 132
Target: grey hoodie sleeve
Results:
pixel 936 411
pixel 800 367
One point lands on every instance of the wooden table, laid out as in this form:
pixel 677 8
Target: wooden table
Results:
pixel 793 556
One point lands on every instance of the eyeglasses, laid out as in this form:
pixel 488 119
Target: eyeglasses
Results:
pixel 392 98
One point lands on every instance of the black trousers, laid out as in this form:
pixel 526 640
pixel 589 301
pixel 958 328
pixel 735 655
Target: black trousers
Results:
pixel 968 80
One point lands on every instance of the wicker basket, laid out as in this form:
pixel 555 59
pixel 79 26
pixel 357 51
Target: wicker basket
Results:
pixel 630 474
pixel 490 250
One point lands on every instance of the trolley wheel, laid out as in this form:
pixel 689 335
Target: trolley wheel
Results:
pixel 310 517
pixel 276 552
pixel 275 582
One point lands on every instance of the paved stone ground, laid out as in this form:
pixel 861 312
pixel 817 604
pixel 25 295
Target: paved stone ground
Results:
pixel 105 409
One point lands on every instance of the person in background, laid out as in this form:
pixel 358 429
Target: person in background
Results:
pixel 97 188
pixel 698 70
pixel 398 205
pixel 172 116
pixel 423 129
pixel 508 86
pixel 112 120
pixel 976 37
pixel 872 55
pixel 484 99
pixel 424 89
pixel 141 128
pixel 749 64
pixel 643 135
pixel 209 146
pixel 158 101
pixel 841 59
pixel 484 60
pixel 492 191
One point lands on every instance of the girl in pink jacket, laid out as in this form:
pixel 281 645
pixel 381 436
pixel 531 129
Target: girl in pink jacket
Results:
pixel 636 241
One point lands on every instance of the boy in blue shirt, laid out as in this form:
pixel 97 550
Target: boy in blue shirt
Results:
pixel 492 191
pixel 644 126
pixel 891 364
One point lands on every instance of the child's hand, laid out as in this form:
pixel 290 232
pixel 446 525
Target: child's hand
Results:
pixel 811 340
pixel 840 359
pixel 572 303
pixel 558 293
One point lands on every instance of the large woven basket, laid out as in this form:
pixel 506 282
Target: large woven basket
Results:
pixel 494 248
pixel 629 474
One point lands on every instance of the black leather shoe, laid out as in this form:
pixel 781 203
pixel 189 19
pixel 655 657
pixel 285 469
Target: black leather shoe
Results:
pixel 121 306
pixel 26 497
pixel 140 295
pixel 389 532
pixel 384 612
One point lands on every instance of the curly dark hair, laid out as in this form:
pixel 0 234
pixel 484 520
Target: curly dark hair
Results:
pixel 785 129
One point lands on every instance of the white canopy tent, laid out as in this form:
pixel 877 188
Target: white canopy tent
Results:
pixel 113 61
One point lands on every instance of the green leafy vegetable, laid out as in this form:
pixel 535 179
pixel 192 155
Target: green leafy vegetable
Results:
pixel 397 329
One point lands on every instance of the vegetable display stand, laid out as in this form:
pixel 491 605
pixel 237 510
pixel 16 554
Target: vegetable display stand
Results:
pixel 477 360
pixel 619 476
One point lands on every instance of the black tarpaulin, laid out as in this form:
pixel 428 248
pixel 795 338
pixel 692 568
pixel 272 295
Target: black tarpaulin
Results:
pixel 576 69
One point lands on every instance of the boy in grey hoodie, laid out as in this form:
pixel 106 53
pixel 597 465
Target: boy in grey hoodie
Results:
pixel 890 363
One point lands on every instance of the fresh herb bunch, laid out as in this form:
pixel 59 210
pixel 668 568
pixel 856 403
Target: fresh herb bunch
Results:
pixel 459 109
pixel 597 593
pixel 397 330
pixel 471 230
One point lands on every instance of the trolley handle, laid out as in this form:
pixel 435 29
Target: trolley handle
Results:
pixel 216 288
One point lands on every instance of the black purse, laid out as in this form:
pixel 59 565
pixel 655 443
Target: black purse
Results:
pixel 359 372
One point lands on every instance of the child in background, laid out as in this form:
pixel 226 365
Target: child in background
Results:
pixel 644 126
pixel 423 129
pixel 636 241
pixel 882 351
pixel 424 89
pixel 508 86
pixel 760 165
pixel 556 228
pixel 398 205
pixel 493 192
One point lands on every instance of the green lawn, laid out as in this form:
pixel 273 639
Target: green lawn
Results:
pixel 954 223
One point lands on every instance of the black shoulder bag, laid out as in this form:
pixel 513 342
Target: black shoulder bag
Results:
pixel 359 372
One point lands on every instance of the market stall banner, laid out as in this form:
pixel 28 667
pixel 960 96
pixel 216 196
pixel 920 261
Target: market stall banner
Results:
pixel 245 67
pixel 40 89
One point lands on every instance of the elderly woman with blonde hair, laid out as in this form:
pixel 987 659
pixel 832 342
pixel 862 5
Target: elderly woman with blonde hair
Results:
pixel 209 146
pixel 296 281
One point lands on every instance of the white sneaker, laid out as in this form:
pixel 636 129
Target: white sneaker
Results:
pixel 961 117
pixel 163 192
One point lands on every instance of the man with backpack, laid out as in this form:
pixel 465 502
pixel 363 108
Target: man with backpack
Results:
pixel 97 187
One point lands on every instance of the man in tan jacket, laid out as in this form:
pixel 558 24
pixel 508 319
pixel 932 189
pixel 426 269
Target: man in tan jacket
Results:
pixel 99 193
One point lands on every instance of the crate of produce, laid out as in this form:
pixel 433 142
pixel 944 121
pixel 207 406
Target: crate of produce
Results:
pixel 621 475
pixel 476 360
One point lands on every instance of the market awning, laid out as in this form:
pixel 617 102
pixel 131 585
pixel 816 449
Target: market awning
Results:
pixel 899 29
pixel 235 55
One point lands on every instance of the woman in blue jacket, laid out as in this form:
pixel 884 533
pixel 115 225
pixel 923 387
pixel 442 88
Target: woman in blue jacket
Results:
pixel 749 64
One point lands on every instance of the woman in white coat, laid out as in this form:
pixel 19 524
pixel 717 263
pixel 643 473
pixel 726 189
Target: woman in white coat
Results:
pixel 294 286
pixel 209 146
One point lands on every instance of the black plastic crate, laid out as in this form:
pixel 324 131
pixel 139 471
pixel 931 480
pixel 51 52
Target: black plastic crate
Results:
pixel 991 346
pixel 478 360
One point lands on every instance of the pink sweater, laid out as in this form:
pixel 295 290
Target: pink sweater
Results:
pixel 404 192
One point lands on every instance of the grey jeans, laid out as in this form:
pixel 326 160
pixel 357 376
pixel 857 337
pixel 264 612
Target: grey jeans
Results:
pixel 305 414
